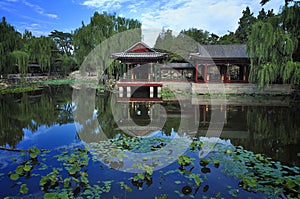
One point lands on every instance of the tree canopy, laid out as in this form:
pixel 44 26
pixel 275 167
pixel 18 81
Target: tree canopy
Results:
pixel 101 27
pixel 10 40
pixel 59 51
pixel 273 47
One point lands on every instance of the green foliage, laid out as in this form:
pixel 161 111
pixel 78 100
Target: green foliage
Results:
pixel 272 46
pixel 24 189
pixel 10 40
pixel 42 110
pixel 184 160
pixel 126 187
pixel 101 27
pixel 197 179
pixel 19 89
pixel 179 48
pixel 200 36
pixel 41 51
pixel 54 53
pixel 245 24
pixel 14 176
pixel 229 38
pixel 196 145
pixel 34 152
pixel 161 197
pixel 167 93
pixel 255 172
pixel 21 59
pixel 63 41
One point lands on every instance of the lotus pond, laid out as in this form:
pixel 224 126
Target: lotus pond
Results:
pixel 48 152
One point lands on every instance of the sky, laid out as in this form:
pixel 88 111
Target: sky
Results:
pixel 216 16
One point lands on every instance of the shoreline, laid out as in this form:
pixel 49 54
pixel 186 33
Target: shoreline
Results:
pixel 195 89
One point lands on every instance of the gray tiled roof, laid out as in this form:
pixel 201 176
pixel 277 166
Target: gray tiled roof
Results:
pixel 127 54
pixel 138 55
pixel 222 51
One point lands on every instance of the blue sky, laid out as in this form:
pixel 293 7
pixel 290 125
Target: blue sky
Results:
pixel 215 16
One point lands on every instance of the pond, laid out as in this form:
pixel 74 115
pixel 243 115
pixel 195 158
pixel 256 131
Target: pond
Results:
pixel 59 143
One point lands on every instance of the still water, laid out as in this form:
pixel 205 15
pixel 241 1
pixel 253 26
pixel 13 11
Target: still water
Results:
pixel 46 119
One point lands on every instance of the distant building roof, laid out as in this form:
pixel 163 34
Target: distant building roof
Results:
pixel 221 51
pixel 177 65
pixel 139 51
pixel 34 66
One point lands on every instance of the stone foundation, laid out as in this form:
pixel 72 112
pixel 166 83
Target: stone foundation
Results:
pixel 234 88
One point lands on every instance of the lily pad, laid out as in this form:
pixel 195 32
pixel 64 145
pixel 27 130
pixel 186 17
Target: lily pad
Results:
pixel 24 189
pixel 14 176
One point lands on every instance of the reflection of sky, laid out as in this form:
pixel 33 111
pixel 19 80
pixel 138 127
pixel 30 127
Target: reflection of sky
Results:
pixel 49 137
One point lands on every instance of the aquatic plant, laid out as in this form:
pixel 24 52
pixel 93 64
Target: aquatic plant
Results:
pixel 19 89
pixel 69 177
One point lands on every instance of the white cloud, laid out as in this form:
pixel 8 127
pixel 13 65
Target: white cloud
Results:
pixel 36 28
pixel 104 5
pixel 215 16
pixel 54 16
pixel 39 10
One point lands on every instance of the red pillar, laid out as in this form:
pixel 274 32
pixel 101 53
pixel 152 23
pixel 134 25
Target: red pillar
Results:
pixel 225 74
pixel 204 113
pixel 205 73
pixel 196 73
pixel 196 110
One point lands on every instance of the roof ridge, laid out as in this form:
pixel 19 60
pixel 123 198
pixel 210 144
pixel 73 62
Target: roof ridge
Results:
pixel 138 43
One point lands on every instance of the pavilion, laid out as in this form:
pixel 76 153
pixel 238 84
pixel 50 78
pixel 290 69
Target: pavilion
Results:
pixel 141 67
pixel 231 61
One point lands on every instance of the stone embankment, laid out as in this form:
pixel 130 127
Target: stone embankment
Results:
pixel 232 88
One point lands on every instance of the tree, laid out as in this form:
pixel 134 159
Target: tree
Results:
pixel 63 41
pixel 263 2
pixel 245 24
pixel 27 36
pixel 65 64
pixel 178 48
pixel 200 36
pixel 101 27
pixel 290 19
pixel 42 50
pixel 21 59
pixel 272 46
pixel 10 40
pixel 229 38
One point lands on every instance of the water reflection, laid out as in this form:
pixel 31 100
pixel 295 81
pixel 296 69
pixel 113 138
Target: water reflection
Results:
pixel 262 128
pixel 31 110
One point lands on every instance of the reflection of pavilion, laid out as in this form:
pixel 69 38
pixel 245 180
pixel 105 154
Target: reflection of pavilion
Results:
pixel 136 116
pixel 139 118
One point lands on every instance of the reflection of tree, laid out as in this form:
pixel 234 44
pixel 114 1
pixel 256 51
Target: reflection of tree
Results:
pixel 105 114
pixel 94 115
pixel 31 110
pixel 274 128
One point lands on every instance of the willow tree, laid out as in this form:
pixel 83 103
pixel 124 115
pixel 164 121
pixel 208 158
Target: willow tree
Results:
pixel 101 27
pixel 271 46
pixel 10 40
pixel 21 59
pixel 41 50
